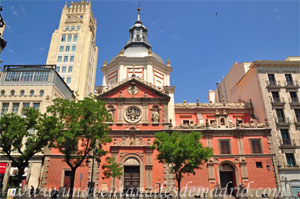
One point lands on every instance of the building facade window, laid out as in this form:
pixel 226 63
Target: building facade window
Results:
pixel 67 48
pixel 67 27
pixel 4 108
pixel 294 96
pixel 66 58
pixel 70 69
pixel 2 92
pixel 78 27
pixel 69 38
pixel 63 70
pixel 256 145
pixel 290 160
pixel 297 114
pixel 15 108
pixel 75 38
pixel 259 165
pixel 71 58
pixel 31 92
pixel 22 92
pixel 59 59
pixel 272 80
pixel 285 135
pixel 25 105
pixel 63 38
pixel 280 115
pixel 61 48
pixel 57 69
pixel 12 92
pixel 36 106
pixel 68 80
pixel 42 92
pixel 275 96
pixel 224 146
pixel 73 48
pixel 72 27
pixel 289 79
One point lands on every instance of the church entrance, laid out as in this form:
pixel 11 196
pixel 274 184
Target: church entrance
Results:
pixel 131 176
pixel 227 179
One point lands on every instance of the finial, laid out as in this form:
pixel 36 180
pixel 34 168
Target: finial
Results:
pixel 150 52
pixel 105 62
pixel 66 3
pixel 139 14
pixel 168 63
pixel 121 52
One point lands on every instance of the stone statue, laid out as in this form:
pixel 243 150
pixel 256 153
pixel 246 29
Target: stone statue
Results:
pixel 155 116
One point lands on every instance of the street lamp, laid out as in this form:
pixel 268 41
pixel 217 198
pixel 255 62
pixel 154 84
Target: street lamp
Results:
pixel 91 183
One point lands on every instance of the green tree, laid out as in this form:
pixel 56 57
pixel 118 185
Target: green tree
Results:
pixel 26 135
pixel 183 152
pixel 81 129
pixel 112 169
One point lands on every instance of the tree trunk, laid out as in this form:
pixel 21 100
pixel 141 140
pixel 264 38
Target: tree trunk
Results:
pixel 19 177
pixel 178 184
pixel 73 171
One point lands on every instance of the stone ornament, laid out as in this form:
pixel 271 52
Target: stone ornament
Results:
pixel 133 90
pixel 133 114
pixel 155 116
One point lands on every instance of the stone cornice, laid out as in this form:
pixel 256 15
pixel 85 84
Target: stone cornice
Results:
pixel 241 106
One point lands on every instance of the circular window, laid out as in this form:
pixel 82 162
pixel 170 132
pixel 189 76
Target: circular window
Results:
pixel 22 92
pixel 42 92
pixel 133 114
pixel 12 92
pixel 31 92
pixel 2 92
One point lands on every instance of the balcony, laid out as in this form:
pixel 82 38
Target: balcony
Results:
pixel 277 101
pixel 273 84
pixel 282 122
pixel 289 144
pixel 291 84
pixel 294 102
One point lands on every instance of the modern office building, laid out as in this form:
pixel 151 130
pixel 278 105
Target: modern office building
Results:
pixel 73 48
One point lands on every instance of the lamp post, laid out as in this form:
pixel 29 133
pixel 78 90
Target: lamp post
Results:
pixel 91 183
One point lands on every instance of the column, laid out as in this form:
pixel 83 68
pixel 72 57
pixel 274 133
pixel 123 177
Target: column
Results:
pixel 149 167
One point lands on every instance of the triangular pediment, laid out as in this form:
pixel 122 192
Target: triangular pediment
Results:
pixel 134 89
pixel 74 19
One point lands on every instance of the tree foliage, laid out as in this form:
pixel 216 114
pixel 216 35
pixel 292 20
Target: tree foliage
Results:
pixel 81 130
pixel 183 152
pixel 112 169
pixel 22 137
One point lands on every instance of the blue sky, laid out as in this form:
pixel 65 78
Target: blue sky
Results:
pixel 200 45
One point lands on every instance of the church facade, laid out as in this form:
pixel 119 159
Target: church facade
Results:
pixel 136 88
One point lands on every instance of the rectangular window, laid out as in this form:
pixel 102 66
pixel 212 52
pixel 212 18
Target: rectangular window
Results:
pixel 63 69
pixel 275 96
pixel 73 28
pixel 294 96
pixel 65 58
pixel 63 38
pixel 73 48
pixel 67 48
pixel 61 48
pixel 71 58
pixel 25 105
pixel 68 80
pixel 15 108
pixel 57 69
pixel 69 38
pixel 67 27
pixel 285 136
pixel 280 115
pixel 289 79
pixel 224 146
pixel 258 164
pixel 4 108
pixel 59 59
pixel 75 38
pixel 290 160
pixel 256 146
pixel 36 106
pixel 70 69
pixel 297 114
pixel 78 27
pixel 271 78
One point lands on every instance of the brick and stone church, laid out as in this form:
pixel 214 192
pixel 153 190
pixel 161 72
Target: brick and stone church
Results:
pixel 136 87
